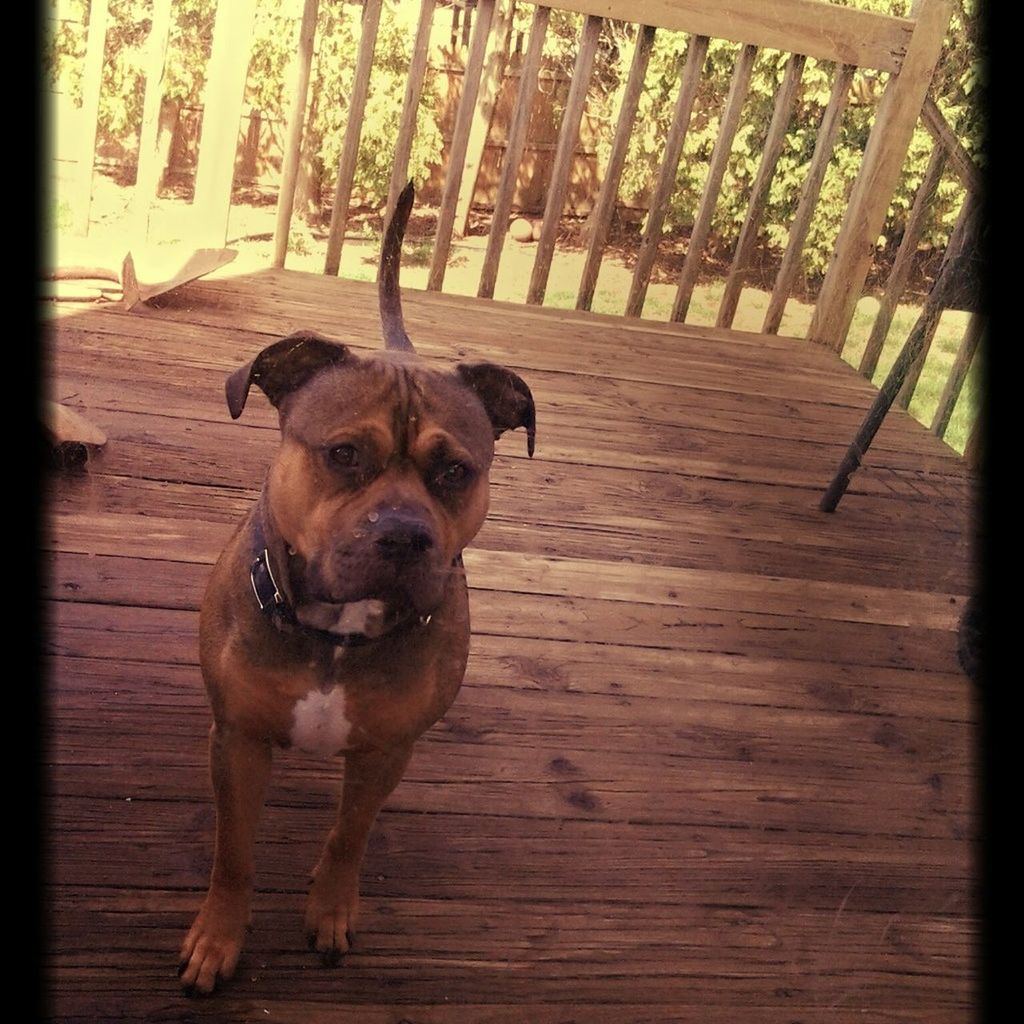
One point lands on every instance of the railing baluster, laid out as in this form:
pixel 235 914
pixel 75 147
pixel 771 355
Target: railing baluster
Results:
pixel 222 110
pixel 811 189
pixel 604 208
pixel 903 263
pixel 513 151
pixel 353 132
pixel 716 171
pixel 150 169
pixel 689 81
pixel 773 144
pixel 567 137
pixel 410 106
pixel 943 134
pixel 957 375
pixel 482 17
pixel 973 449
pixel 293 145
pixel 92 77
pixel 914 372
pixel 491 79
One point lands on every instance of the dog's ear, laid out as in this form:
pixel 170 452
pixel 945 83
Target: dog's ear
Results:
pixel 283 367
pixel 505 397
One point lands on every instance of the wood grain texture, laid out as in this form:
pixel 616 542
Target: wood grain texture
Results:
pixel 714 757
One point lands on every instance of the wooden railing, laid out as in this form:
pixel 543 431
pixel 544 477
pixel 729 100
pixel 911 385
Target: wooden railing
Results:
pixel 905 49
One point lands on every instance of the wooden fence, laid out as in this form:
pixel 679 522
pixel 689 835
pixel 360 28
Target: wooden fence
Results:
pixel 905 49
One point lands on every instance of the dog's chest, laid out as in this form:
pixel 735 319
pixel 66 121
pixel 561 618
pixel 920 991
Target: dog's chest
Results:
pixel 319 722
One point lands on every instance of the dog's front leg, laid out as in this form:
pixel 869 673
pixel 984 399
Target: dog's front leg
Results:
pixel 370 775
pixel 239 768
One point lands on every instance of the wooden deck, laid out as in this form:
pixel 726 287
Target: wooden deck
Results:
pixel 713 759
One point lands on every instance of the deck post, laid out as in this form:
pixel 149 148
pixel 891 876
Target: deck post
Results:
pixel 898 113
pixel 222 111
pixel 293 143
pixel 957 374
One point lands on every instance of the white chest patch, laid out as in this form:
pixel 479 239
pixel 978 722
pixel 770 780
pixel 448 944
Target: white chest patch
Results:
pixel 319 725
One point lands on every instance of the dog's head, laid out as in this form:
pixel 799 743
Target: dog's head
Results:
pixel 382 475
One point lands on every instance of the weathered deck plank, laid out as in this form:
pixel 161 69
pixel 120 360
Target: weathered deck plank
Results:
pixel 713 759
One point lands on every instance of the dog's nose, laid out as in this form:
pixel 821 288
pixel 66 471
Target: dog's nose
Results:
pixel 401 535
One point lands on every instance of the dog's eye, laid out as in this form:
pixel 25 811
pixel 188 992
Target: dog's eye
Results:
pixel 345 455
pixel 454 474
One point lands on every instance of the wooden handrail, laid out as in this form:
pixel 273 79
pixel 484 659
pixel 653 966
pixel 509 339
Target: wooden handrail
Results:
pixel 811 27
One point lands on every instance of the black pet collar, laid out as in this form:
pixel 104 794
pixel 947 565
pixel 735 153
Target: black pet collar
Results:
pixel 273 603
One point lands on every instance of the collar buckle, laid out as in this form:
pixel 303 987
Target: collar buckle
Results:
pixel 264 586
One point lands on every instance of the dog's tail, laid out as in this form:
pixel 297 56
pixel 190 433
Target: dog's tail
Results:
pixel 387 275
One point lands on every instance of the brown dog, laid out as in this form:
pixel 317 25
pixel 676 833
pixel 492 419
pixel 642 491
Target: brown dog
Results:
pixel 336 620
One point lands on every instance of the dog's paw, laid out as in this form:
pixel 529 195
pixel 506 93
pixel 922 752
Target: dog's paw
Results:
pixel 330 920
pixel 214 942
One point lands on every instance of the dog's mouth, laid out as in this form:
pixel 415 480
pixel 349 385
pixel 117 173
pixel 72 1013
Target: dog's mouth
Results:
pixel 363 592
pixel 369 617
